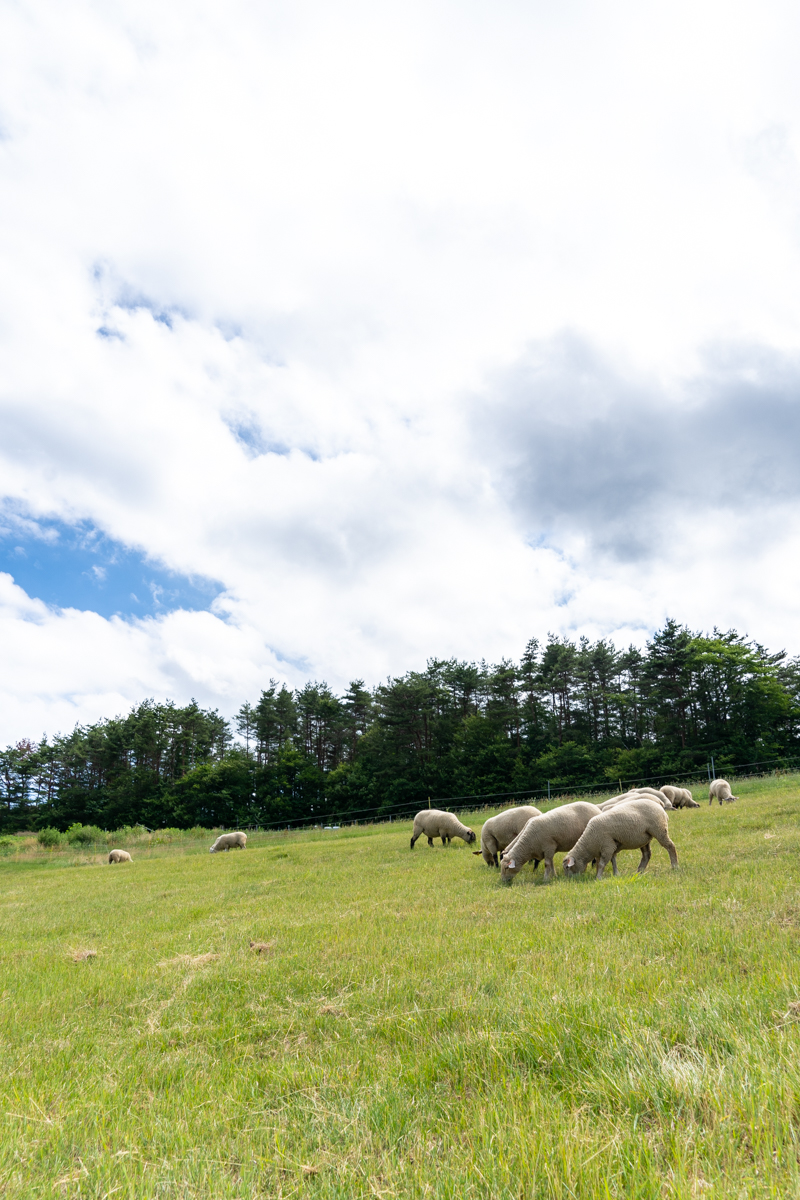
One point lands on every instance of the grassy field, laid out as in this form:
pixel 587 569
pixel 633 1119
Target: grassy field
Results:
pixel 412 1028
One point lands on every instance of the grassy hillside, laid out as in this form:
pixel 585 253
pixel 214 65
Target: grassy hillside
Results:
pixel 414 1028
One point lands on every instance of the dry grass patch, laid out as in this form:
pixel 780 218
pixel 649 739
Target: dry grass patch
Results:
pixel 189 960
pixel 262 947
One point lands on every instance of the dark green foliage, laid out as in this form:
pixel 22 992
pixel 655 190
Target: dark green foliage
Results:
pixel 568 713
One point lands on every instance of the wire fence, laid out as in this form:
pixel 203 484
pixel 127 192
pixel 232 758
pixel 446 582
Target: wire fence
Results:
pixel 405 810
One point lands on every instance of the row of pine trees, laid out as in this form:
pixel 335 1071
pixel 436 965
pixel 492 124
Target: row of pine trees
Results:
pixel 568 714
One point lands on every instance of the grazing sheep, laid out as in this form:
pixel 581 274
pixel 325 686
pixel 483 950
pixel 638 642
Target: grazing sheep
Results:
pixel 435 823
pixel 662 798
pixel 720 790
pixel 613 801
pixel 635 794
pixel 226 841
pixel 680 797
pixel 119 856
pixel 627 827
pixel 544 836
pixel 500 831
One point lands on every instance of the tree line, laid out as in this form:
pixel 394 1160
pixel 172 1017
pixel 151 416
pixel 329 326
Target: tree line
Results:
pixel 571 713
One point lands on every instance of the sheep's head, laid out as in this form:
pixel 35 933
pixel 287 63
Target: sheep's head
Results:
pixel 508 869
pixel 471 837
pixel 212 849
pixel 572 866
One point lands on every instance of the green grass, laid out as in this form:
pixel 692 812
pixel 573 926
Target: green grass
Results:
pixel 416 1029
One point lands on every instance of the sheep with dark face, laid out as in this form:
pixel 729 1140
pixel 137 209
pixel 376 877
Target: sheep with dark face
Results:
pixel 499 832
pixel 720 789
pixel 629 826
pixel 435 823
pixel 554 832
pixel 227 841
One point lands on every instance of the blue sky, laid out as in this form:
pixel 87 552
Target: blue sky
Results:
pixel 78 567
pixel 344 336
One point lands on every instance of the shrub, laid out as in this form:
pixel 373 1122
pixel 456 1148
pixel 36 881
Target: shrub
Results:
pixel 129 833
pixel 51 837
pixel 84 835
pixel 7 845
pixel 165 836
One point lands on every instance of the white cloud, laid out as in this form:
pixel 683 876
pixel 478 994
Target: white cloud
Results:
pixel 311 235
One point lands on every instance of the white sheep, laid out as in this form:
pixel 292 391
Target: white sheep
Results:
pixel 627 827
pixel 500 831
pixel 720 789
pixel 117 856
pixel 656 793
pixel 435 823
pixel 554 832
pixel 226 841
pixel 635 794
pixel 680 797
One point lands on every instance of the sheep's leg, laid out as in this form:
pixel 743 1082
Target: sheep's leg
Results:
pixel 430 841
pixel 414 837
pixel 536 862
pixel 602 862
pixel 549 869
pixel 614 863
pixel 666 841
pixel 644 860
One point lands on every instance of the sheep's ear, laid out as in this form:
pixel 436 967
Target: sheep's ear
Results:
pixel 477 852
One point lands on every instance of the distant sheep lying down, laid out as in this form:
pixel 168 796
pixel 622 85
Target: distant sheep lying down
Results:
pixel 500 831
pixel 435 823
pixel 226 841
pixel 626 827
pixel 119 856
pixel 680 797
pixel 720 790
pixel 554 832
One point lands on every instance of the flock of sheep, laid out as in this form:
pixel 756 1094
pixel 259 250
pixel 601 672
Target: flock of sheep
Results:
pixel 586 833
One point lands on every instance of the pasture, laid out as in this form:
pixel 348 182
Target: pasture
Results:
pixel 412 1028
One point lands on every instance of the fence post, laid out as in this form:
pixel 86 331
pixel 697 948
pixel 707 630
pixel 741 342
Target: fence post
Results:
pixel 708 768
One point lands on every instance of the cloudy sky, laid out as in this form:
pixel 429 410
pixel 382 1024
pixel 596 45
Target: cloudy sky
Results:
pixel 338 336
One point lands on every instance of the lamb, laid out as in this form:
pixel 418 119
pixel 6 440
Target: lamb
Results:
pixel 435 823
pixel 720 790
pixel 226 841
pixel 117 856
pixel 680 797
pixel 544 836
pixel 500 831
pixel 627 827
